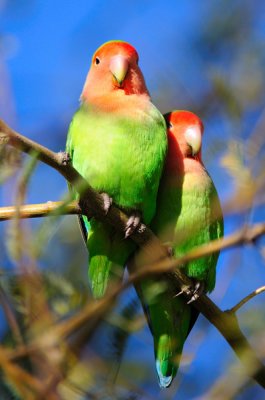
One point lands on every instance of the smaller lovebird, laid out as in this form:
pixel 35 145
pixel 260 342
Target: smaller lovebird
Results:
pixel 188 215
pixel 117 141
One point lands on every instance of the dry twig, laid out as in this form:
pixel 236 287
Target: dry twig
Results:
pixel 39 210
pixel 246 299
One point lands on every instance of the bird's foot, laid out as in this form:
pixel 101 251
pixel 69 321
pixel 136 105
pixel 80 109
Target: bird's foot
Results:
pixel 133 223
pixel 64 157
pixel 107 202
pixel 196 291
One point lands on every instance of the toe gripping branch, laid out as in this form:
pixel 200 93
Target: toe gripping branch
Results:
pixel 107 202
pixel 133 224
pixel 194 292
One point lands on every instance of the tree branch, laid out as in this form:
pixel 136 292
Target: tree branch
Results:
pixel 10 316
pixel 39 210
pixel 225 322
pixel 246 299
pixel 245 235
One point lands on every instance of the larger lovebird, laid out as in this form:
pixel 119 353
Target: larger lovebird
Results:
pixel 117 142
pixel 188 215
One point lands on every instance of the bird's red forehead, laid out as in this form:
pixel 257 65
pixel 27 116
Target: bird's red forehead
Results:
pixel 115 47
pixel 181 117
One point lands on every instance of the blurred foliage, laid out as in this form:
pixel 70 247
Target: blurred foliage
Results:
pixel 45 284
pixel 10 161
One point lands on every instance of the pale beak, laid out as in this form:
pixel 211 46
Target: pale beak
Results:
pixel 119 67
pixel 193 138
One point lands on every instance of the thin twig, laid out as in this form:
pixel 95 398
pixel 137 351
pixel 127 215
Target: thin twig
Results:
pixel 246 299
pixel 10 316
pixel 40 210
pixel 28 384
pixel 245 235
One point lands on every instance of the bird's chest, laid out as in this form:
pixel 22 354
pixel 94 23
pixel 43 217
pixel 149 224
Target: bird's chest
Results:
pixel 194 219
pixel 115 154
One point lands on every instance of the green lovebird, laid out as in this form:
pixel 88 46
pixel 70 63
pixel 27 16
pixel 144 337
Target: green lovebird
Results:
pixel 188 215
pixel 117 141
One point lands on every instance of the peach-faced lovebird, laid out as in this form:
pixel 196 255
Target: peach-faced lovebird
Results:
pixel 117 141
pixel 188 215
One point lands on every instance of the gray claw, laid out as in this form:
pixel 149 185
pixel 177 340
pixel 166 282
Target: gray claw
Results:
pixel 196 291
pixel 132 224
pixel 179 293
pixel 193 298
pixel 107 202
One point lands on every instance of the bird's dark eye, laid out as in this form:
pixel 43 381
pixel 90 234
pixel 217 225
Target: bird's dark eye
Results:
pixel 97 61
pixel 169 125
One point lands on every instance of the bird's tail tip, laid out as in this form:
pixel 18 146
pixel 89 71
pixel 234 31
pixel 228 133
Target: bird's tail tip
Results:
pixel 164 379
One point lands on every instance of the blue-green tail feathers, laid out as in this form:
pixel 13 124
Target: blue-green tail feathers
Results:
pixel 169 320
pixel 166 367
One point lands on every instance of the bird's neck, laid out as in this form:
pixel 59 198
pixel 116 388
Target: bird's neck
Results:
pixel 179 169
pixel 195 174
pixel 174 164
pixel 118 102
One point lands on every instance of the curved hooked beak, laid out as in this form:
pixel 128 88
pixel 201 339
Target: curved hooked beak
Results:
pixel 119 67
pixel 193 138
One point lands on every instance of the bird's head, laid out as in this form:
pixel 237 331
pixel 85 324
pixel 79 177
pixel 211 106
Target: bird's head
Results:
pixel 114 68
pixel 185 129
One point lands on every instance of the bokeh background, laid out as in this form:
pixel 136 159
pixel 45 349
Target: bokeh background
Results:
pixel 208 57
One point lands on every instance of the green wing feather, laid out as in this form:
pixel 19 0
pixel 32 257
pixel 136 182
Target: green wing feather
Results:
pixel 199 222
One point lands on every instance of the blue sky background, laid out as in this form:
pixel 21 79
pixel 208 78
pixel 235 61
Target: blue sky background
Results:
pixel 191 53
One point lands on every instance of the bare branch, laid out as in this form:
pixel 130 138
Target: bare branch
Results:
pixel 10 316
pixel 246 299
pixel 28 385
pixel 245 235
pixel 39 210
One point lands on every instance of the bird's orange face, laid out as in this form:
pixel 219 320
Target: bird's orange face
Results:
pixel 114 67
pixel 185 129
